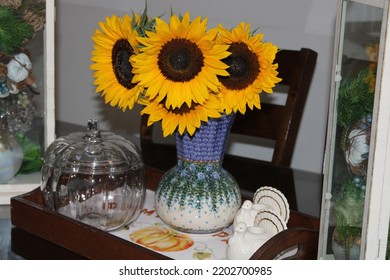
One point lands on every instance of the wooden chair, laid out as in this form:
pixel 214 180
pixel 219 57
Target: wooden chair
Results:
pixel 276 122
pixel 281 122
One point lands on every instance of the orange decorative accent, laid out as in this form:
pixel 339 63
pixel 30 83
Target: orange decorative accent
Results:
pixel 148 212
pixel 161 239
pixel 221 234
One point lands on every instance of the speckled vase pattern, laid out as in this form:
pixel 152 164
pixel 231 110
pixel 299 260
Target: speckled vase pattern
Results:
pixel 198 195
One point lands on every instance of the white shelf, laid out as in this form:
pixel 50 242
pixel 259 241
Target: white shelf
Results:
pixel 18 185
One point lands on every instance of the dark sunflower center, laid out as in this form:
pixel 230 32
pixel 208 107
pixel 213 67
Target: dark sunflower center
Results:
pixel 121 65
pixel 180 60
pixel 243 67
pixel 184 109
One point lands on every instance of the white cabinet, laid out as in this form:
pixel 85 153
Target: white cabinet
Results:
pixel 356 195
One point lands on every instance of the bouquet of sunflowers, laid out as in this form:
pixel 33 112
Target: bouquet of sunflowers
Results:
pixel 181 72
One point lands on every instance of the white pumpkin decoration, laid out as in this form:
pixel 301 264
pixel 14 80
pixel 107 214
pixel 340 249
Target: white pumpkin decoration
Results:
pixel 19 71
pixel 19 68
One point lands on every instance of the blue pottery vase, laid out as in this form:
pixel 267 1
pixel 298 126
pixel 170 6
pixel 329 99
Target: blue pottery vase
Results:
pixel 198 195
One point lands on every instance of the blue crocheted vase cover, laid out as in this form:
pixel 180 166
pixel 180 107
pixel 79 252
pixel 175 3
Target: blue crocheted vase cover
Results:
pixel 208 144
pixel 198 195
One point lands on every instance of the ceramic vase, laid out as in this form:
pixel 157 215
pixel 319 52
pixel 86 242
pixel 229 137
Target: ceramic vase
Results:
pixel 11 156
pixel 198 195
pixel 17 112
pixel 347 248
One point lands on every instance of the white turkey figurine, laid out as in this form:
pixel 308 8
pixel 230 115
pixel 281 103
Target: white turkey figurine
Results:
pixel 274 200
pixel 247 213
pixel 257 221
pixel 246 240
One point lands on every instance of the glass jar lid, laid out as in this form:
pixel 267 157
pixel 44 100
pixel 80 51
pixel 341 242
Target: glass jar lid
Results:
pixel 93 152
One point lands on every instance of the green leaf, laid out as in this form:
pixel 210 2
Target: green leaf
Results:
pixel 32 161
pixel 30 166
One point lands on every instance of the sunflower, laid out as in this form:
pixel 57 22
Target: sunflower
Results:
pixel 179 62
pixel 184 119
pixel 114 46
pixel 251 69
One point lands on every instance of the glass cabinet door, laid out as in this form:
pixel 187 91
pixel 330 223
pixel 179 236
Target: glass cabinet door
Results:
pixel 350 222
pixel 27 74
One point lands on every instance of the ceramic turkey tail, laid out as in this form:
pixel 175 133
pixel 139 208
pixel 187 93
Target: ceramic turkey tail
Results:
pixel 274 200
pixel 270 221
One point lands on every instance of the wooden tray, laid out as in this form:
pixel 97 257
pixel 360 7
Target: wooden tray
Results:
pixel 29 214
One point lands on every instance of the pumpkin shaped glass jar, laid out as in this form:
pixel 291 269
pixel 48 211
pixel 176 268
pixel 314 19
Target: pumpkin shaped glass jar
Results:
pixel 94 177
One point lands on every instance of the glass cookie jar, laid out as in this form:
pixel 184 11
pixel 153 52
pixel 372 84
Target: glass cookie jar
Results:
pixel 94 177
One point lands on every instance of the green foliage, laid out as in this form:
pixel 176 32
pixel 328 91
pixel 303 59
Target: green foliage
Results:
pixel 13 30
pixel 355 98
pixel 349 207
pixel 32 161
pixel 145 24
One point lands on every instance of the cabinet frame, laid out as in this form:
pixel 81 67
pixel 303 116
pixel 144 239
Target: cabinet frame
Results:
pixel 376 215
